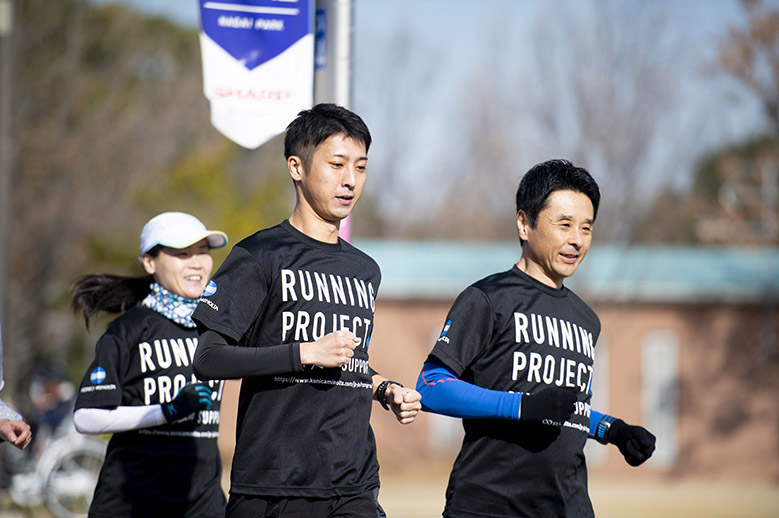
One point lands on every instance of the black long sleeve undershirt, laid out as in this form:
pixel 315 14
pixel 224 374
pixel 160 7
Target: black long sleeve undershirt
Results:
pixel 217 357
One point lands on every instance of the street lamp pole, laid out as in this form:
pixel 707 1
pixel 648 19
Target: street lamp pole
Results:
pixel 332 73
pixel 333 62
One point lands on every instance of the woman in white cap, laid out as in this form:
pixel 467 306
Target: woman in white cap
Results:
pixel 162 459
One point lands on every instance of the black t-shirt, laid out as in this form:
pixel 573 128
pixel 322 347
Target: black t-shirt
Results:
pixel 509 332
pixel 299 434
pixel 169 470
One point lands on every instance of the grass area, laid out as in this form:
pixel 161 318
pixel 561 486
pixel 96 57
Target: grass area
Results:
pixel 417 497
pixel 410 498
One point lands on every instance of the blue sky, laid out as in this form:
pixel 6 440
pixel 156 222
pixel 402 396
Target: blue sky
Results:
pixel 453 44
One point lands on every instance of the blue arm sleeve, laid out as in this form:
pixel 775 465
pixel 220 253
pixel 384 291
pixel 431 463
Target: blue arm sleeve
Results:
pixel 444 393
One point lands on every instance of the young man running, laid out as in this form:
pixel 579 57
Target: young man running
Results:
pixel 291 313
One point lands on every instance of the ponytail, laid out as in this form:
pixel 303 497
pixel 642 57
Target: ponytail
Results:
pixel 104 292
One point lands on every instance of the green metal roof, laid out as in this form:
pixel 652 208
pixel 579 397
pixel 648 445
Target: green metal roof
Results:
pixel 610 273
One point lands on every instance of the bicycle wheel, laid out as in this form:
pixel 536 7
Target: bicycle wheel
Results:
pixel 71 482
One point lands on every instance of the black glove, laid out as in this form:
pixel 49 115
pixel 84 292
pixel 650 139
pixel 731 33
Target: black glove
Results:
pixel 191 398
pixel 550 406
pixel 634 442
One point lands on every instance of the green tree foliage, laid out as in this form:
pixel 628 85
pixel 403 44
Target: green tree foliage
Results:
pixel 110 127
pixel 226 189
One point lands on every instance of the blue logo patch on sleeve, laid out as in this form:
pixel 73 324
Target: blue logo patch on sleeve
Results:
pixel 97 376
pixel 210 288
pixel 446 327
pixel 443 337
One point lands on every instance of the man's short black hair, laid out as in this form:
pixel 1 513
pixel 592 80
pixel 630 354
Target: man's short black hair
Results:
pixel 553 175
pixel 312 127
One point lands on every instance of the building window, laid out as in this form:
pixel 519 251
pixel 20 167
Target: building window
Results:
pixel 660 393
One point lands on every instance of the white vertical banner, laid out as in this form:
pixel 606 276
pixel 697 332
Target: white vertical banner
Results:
pixel 258 65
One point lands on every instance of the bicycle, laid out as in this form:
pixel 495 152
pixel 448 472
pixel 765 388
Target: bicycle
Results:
pixel 62 475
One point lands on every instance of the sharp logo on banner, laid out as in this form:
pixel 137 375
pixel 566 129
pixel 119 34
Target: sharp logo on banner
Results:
pixel 258 65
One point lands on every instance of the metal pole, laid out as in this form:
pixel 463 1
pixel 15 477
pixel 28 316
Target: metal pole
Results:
pixel 333 66
pixel 332 78
pixel 6 158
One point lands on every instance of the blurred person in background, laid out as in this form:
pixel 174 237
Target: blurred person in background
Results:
pixel 514 361
pixel 52 396
pixel 162 459
pixel 290 312
pixel 13 429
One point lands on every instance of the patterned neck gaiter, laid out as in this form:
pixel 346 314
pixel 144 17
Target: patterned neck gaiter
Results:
pixel 172 306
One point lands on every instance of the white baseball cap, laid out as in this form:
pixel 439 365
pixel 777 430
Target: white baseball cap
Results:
pixel 178 230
